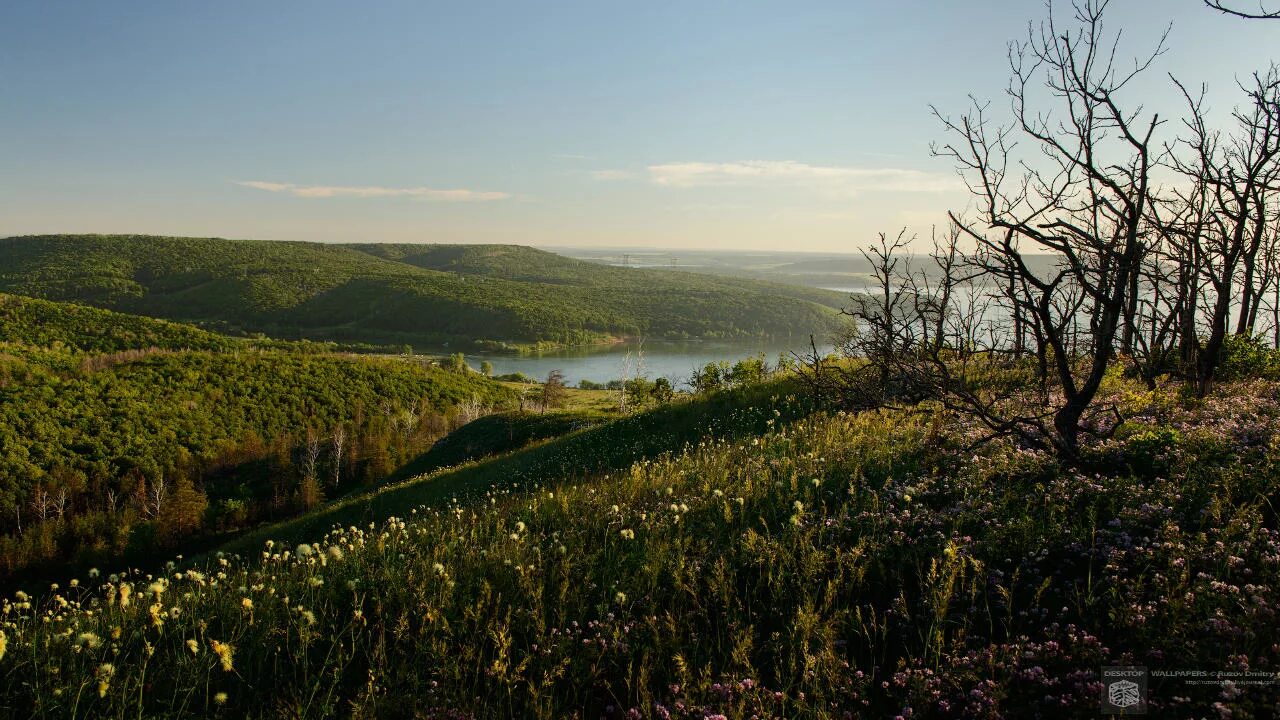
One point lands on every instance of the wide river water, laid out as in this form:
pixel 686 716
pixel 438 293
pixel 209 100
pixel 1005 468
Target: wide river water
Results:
pixel 675 361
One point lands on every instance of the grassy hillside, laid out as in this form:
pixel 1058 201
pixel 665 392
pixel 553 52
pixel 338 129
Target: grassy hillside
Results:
pixel 423 295
pixel 118 432
pixel 831 566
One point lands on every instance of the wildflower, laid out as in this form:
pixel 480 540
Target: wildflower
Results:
pixel 246 603
pixel 225 652
pixel 220 698
pixel 628 534
pixel 156 588
pixel 94 572
pixel 439 568
pixel 519 527
pixel 315 582
pixel 193 646
pixel 335 553
pixel 4 644
pixel 104 673
pixel 621 597
pixel 125 591
pixel 88 640
pixel 906 497
pixel 304 550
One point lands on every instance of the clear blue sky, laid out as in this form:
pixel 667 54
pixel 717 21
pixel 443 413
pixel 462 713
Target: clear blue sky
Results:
pixel 796 126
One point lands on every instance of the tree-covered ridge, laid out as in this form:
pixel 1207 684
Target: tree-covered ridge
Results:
pixel 46 324
pixel 400 294
pixel 107 421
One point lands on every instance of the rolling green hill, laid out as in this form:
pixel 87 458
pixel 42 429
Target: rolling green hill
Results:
pixel 118 431
pixel 425 295
pixel 42 323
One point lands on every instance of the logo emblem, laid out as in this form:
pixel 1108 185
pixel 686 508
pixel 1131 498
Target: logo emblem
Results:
pixel 1124 690
pixel 1123 693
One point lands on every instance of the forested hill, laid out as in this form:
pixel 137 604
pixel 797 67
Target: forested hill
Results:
pixel 120 434
pixel 46 324
pixel 418 294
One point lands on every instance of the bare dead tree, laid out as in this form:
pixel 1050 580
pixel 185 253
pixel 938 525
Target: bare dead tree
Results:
pixel 159 492
pixel 627 370
pixel 311 455
pixel 885 325
pixel 1234 179
pixel 1262 13
pixel 59 503
pixel 40 503
pixel 339 448
pixel 1082 196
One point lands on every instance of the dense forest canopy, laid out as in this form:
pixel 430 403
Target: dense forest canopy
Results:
pixel 423 295
pixel 108 420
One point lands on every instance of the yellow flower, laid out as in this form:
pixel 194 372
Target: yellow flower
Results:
pixel 225 653
pixel 193 646
pixel 104 673
pixel 4 644
pixel 246 603
pixel 220 698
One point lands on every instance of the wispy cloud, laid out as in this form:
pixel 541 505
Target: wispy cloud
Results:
pixel 612 174
pixel 765 173
pixel 330 191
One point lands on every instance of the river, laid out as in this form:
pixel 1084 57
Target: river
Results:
pixel 675 361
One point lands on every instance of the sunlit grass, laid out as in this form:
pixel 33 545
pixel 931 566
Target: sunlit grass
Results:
pixel 834 565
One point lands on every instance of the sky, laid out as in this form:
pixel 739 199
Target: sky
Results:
pixel 799 126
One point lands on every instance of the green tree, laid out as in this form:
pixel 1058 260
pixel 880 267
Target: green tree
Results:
pixel 457 363
pixel 639 392
pixel 486 368
pixel 662 391
pixel 711 377
pixel 183 511
pixel 749 371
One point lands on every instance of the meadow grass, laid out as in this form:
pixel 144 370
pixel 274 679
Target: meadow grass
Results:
pixel 819 565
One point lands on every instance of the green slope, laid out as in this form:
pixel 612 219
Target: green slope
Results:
pixel 834 566
pixel 42 323
pixel 425 295
pixel 99 410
